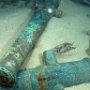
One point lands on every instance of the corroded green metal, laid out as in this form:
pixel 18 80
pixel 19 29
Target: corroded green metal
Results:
pixel 49 56
pixel 86 2
pixel 23 45
pixel 25 42
pixel 53 77
pixel 49 5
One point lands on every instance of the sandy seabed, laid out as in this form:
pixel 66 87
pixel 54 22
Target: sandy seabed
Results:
pixel 71 27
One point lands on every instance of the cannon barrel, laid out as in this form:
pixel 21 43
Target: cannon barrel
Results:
pixel 15 56
pixel 24 43
pixel 54 76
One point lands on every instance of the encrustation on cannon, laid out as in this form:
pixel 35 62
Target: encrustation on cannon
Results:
pixel 24 43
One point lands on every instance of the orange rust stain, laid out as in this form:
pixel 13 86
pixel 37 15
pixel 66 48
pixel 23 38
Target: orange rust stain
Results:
pixel 40 78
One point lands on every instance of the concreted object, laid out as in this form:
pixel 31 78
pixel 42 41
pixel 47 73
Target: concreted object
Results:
pixel 53 76
pixel 15 56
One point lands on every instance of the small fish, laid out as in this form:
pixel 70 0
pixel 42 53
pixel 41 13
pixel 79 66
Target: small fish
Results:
pixel 64 47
